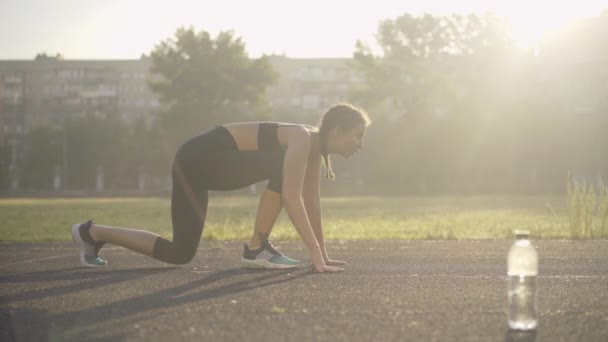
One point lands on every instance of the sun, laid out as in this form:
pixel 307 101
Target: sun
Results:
pixel 528 30
pixel 531 22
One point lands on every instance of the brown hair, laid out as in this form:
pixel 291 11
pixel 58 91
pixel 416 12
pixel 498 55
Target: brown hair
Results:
pixel 344 116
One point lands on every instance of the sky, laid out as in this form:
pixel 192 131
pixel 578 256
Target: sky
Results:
pixel 125 29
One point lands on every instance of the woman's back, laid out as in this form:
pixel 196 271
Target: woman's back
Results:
pixel 246 134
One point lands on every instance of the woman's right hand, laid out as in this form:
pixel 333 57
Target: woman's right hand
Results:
pixel 319 265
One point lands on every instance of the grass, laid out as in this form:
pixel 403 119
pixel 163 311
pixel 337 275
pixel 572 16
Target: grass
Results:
pixel 588 209
pixel 344 218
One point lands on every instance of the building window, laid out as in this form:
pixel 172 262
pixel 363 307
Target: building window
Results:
pixel 310 101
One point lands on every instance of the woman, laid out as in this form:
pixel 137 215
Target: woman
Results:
pixel 233 156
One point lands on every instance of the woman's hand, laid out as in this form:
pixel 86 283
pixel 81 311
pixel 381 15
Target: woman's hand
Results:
pixel 334 262
pixel 319 265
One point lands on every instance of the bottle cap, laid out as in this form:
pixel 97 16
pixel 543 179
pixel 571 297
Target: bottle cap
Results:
pixel 522 234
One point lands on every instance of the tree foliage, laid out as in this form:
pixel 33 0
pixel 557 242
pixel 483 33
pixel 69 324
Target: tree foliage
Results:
pixel 203 81
pixel 42 157
pixel 456 108
pixel 459 108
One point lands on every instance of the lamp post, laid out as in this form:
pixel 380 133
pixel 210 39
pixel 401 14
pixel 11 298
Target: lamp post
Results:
pixel 14 177
pixel 64 153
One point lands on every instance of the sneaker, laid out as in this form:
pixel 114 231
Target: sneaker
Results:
pixel 266 257
pixel 89 248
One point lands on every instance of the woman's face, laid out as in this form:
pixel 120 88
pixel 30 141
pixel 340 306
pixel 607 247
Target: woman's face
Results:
pixel 347 142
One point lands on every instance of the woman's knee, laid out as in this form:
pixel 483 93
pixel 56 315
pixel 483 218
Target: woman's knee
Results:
pixel 173 253
pixel 183 256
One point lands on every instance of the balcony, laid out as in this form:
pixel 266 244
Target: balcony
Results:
pixel 13 80
pixel 15 96
pixel 99 92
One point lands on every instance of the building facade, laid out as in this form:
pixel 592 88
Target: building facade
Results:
pixel 47 90
pixel 309 85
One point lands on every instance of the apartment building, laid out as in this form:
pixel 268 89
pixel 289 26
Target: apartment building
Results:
pixel 48 89
pixel 309 85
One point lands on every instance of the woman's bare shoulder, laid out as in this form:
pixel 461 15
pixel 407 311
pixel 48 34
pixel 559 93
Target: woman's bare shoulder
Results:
pixel 311 128
pixel 279 123
pixel 241 125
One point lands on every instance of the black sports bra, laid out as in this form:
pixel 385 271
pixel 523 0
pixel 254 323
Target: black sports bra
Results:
pixel 268 139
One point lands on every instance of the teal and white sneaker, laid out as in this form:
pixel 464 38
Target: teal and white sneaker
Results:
pixel 89 248
pixel 266 257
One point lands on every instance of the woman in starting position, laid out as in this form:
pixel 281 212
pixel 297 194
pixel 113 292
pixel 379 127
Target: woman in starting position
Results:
pixel 233 156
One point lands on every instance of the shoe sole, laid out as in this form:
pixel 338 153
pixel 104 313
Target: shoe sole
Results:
pixel 263 264
pixel 78 241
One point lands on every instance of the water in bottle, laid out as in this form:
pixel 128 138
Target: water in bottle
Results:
pixel 522 270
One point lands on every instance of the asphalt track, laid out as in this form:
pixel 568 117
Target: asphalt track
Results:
pixel 390 291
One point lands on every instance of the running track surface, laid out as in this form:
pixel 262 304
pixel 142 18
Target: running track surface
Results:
pixel 390 291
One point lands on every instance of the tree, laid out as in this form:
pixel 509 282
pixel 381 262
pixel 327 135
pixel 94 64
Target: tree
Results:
pixel 4 167
pixel 428 86
pixel 42 155
pixel 93 141
pixel 423 58
pixel 204 81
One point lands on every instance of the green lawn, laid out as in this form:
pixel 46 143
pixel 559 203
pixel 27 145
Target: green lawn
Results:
pixel 345 218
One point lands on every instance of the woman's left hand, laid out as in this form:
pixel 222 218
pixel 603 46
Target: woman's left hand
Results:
pixel 334 262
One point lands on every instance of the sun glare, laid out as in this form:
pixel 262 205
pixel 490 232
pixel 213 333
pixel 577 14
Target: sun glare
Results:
pixel 316 28
pixel 531 22
pixel 527 30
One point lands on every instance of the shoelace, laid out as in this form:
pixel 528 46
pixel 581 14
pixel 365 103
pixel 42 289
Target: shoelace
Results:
pixel 93 249
pixel 267 245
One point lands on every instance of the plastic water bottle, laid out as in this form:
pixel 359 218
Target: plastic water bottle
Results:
pixel 522 270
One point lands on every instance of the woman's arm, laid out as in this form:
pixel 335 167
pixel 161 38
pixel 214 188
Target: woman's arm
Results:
pixel 294 169
pixel 312 203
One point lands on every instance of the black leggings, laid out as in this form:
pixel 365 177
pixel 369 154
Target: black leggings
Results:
pixel 210 161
